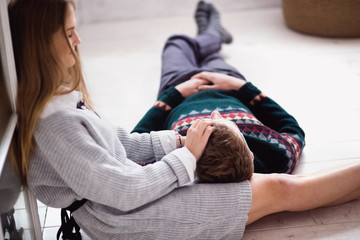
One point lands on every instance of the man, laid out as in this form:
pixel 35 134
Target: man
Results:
pixel 196 81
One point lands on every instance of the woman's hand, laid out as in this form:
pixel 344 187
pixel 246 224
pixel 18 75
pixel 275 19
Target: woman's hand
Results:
pixel 190 87
pixel 197 136
pixel 219 81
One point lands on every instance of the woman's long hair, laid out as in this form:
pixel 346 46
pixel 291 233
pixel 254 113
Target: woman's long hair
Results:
pixel 40 74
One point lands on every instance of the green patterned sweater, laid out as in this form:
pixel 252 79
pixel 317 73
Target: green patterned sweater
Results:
pixel 273 135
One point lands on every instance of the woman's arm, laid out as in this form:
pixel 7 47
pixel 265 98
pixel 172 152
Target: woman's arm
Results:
pixel 84 157
pixel 90 162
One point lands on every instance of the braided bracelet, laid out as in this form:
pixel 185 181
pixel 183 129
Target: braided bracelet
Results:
pixel 179 144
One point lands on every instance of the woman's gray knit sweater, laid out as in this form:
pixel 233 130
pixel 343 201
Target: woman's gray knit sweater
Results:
pixel 78 155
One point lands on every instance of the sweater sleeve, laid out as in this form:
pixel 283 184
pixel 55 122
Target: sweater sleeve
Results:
pixel 270 113
pixel 155 117
pixel 166 139
pixel 86 161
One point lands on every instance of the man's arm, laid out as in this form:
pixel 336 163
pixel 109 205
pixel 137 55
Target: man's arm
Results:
pixel 156 116
pixel 265 109
pixel 284 130
pixel 269 112
pixel 280 126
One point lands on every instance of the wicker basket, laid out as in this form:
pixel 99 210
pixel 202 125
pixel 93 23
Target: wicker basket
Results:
pixel 329 18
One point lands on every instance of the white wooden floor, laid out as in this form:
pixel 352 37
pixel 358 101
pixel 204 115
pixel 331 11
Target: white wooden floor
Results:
pixel 315 79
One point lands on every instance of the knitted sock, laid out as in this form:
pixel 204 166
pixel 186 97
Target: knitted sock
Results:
pixel 215 27
pixel 201 16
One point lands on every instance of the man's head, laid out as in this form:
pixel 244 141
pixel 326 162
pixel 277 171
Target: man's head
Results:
pixel 226 158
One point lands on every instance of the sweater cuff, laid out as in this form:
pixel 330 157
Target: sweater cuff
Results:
pixel 247 92
pixel 167 140
pixel 188 159
pixel 171 97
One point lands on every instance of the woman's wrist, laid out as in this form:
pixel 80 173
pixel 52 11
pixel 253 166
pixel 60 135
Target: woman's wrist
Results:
pixel 180 140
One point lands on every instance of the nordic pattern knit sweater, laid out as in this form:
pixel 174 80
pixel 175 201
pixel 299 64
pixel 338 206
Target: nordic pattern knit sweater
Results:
pixel 273 135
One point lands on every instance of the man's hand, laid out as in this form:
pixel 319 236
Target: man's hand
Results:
pixel 190 87
pixel 197 136
pixel 219 81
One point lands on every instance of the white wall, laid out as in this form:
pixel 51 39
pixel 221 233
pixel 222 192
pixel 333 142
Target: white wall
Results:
pixel 113 10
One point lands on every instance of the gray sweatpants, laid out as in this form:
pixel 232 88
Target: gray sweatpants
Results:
pixel 184 57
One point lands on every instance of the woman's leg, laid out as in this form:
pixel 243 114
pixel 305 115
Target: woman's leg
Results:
pixel 281 192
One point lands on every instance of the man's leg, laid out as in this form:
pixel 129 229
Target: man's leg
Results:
pixel 215 63
pixel 182 57
pixel 281 192
pixel 207 19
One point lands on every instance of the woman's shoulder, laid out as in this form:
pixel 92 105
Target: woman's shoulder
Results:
pixel 67 120
pixel 60 103
pixel 65 114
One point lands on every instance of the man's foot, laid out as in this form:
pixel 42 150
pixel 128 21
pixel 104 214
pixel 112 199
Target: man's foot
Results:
pixel 214 25
pixel 201 16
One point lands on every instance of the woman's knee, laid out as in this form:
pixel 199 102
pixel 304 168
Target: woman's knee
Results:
pixel 285 188
pixel 270 194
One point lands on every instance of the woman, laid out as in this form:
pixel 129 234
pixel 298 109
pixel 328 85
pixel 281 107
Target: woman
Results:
pixel 65 152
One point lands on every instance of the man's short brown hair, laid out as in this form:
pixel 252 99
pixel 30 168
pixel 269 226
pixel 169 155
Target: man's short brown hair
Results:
pixel 226 158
